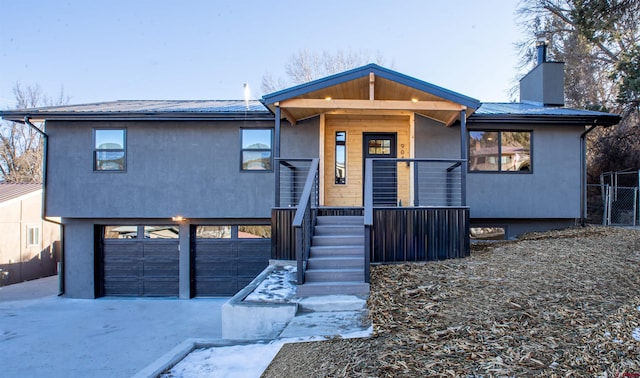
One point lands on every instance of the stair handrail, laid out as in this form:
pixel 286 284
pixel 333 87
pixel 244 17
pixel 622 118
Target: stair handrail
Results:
pixel 368 216
pixel 304 219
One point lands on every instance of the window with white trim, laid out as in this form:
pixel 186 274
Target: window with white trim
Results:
pixel 33 236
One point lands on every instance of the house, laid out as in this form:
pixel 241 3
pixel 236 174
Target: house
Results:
pixel 30 247
pixel 365 166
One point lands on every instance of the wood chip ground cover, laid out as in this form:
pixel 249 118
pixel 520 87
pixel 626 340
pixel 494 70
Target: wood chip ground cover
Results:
pixel 556 304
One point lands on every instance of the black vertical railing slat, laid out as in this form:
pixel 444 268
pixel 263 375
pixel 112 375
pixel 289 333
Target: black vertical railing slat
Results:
pixel 418 234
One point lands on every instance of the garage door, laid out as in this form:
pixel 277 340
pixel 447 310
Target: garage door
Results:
pixel 227 258
pixel 146 266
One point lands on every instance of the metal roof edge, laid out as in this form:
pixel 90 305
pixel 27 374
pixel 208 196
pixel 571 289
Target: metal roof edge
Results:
pixel 137 116
pixel 600 119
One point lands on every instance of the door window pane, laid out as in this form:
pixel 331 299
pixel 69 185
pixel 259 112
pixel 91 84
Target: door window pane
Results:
pixel 379 147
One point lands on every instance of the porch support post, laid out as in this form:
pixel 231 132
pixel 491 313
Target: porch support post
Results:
pixel 463 155
pixel 276 153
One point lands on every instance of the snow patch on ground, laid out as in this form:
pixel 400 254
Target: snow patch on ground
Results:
pixel 636 334
pixel 242 361
pixel 278 287
pixel 239 361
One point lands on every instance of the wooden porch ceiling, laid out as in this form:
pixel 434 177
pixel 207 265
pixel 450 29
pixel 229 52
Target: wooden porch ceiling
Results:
pixel 372 95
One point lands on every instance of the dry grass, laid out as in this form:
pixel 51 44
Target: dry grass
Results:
pixel 554 304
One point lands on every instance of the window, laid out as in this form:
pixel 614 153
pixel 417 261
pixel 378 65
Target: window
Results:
pixel 341 157
pixel 33 235
pixel 500 151
pixel 109 152
pixel 120 232
pixel 254 232
pixel 256 152
pixel 161 232
pixel 213 232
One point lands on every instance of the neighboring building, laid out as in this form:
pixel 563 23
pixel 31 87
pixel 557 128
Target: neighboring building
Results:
pixel 30 247
pixel 167 197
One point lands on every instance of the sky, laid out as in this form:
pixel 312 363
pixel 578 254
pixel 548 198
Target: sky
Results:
pixel 105 50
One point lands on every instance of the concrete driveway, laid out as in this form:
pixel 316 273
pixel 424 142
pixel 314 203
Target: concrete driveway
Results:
pixel 42 334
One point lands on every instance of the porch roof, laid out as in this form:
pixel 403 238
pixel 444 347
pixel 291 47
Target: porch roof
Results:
pixel 370 89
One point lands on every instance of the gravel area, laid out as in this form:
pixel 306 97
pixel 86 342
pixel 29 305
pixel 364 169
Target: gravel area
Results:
pixel 556 304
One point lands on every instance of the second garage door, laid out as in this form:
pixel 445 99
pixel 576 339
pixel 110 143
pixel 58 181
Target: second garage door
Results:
pixel 226 258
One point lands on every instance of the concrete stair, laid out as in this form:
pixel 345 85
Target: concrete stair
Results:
pixel 336 259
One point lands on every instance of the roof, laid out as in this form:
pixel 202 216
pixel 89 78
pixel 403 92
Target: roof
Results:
pixel 373 89
pixel 364 71
pixel 12 191
pixel 146 109
pixel 514 112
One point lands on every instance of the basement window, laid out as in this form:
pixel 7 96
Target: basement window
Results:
pixel 500 151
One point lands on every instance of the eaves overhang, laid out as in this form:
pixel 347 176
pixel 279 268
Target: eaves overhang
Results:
pixel 369 89
pixel 599 120
pixel 18 116
pixel 364 71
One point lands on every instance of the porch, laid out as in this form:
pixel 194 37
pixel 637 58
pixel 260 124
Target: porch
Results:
pixel 389 183
pixel 334 246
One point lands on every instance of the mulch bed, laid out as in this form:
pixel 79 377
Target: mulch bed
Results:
pixel 556 304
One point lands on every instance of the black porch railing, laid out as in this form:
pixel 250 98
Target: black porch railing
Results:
pixel 291 175
pixel 295 216
pixel 432 223
pixel 414 210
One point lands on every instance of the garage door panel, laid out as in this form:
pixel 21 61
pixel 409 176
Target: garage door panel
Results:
pixel 216 249
pixel 123 286
pixel 160 286
pixel 217 269
pixel 224 266
pixel 135 267
pixel 257 248
pixel 216 286
pixel 250 268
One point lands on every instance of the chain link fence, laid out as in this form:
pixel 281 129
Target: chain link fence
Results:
pixel 615 200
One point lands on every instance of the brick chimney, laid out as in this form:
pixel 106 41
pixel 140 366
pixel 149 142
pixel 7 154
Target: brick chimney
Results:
pixel 544 84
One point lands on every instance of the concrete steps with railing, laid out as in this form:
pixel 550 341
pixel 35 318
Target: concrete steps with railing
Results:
pixel 336 258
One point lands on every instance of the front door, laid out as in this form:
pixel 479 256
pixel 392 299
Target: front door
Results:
pixel 385 176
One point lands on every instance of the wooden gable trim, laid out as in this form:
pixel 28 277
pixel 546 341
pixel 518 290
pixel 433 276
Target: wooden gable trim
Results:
pixel 329 104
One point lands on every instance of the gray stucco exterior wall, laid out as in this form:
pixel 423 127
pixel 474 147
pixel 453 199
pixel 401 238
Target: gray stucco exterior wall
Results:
pixel 172 168
pixel 302 140
pixel 436 141
pixel 78 262
pixel 552 190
